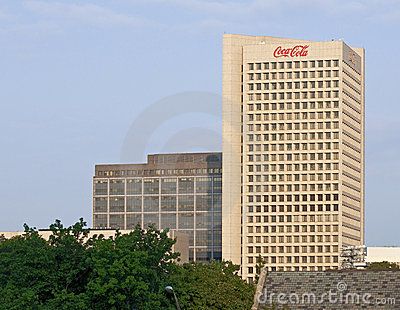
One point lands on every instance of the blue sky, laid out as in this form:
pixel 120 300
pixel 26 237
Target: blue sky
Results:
pixel 77 75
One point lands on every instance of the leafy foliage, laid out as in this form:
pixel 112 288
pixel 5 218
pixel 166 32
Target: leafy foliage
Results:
pixel 212 286
pixel 383 266
pixel 73 271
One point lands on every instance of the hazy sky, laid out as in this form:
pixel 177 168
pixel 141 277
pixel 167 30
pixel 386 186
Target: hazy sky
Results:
pixel 76 76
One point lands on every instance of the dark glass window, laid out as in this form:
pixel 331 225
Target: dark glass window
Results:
pixel 134 187
pixel 186 185
pixel 204 220
pixel 217 203
pixel 100 204
pixel 203 237
pixel 218 185
pixel 132 220
pixel 134 204
pixel 100 221
pixel 204 185
pixel 117 204
pixel 151 186
pixel 203 203
pixel 185 203
pixel 117 221
pixel 117 187
pixel 168 203
pixel 101 187
pixel 168 186
pixel 150 204
pixel 150 219
pixel 168 220
pixel 185 220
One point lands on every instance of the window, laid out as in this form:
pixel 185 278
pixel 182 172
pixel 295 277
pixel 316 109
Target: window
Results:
pixel 101 187
pixel 186 185
pixel 134 204
pixel 150 219
pixel 185 203
pixel 134 187
pixel 168 220
pixel 100 204
pixel 168 186
pixel 168 203
pixel 185 221
pixel 150 204
pixel 117 204
pixel 151 186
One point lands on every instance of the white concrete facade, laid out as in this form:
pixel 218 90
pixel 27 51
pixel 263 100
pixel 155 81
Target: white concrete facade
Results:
pixel 383 254
pixel 293 146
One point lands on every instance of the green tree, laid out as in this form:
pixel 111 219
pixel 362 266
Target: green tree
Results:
pixel 72 271
pixel 214 285
pixel 34 271
pixel 130 270
pixel 383 266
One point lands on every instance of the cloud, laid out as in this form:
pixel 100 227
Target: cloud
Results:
pixel 87 13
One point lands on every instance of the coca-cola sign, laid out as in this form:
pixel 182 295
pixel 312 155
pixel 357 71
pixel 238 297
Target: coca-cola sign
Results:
pixel 296 51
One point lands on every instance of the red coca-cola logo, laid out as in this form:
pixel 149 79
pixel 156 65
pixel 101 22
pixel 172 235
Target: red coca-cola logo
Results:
pixel 296 51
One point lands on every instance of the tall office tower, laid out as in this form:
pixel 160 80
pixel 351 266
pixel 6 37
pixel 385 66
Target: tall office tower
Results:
pixel 293 145
pixel 177 191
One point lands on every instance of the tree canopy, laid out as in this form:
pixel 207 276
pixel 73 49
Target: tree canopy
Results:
pixel 127 271
pixel 383 266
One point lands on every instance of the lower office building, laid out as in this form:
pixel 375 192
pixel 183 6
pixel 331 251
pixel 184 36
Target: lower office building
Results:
pixel 181 192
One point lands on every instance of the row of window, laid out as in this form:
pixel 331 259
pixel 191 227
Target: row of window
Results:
pixel 151 172
pixel 155 203
pixel 156 185
pixel 295 85
pixel 353 78
pixel 296 198
pixel 292 64
pixel 312 238
pixel 292 136
pixel 297 260
pixel 290 157
pixel 313 146
pixel 210 221
pixel 293 75
pixel 289 167
pixel 298 126
pixel 295 116
pixel 298 208
pixel 293 95
pixel 285 188
pixel 298 249
pixel 356 90
pixel 295 268
pixel 258 188
pixel 294 106
pixel 295 177
pixel 290 229
pixel 293 218
pixel 281 198
pixel 284 106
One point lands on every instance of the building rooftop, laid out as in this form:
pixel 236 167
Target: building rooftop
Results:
pixel 336 289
